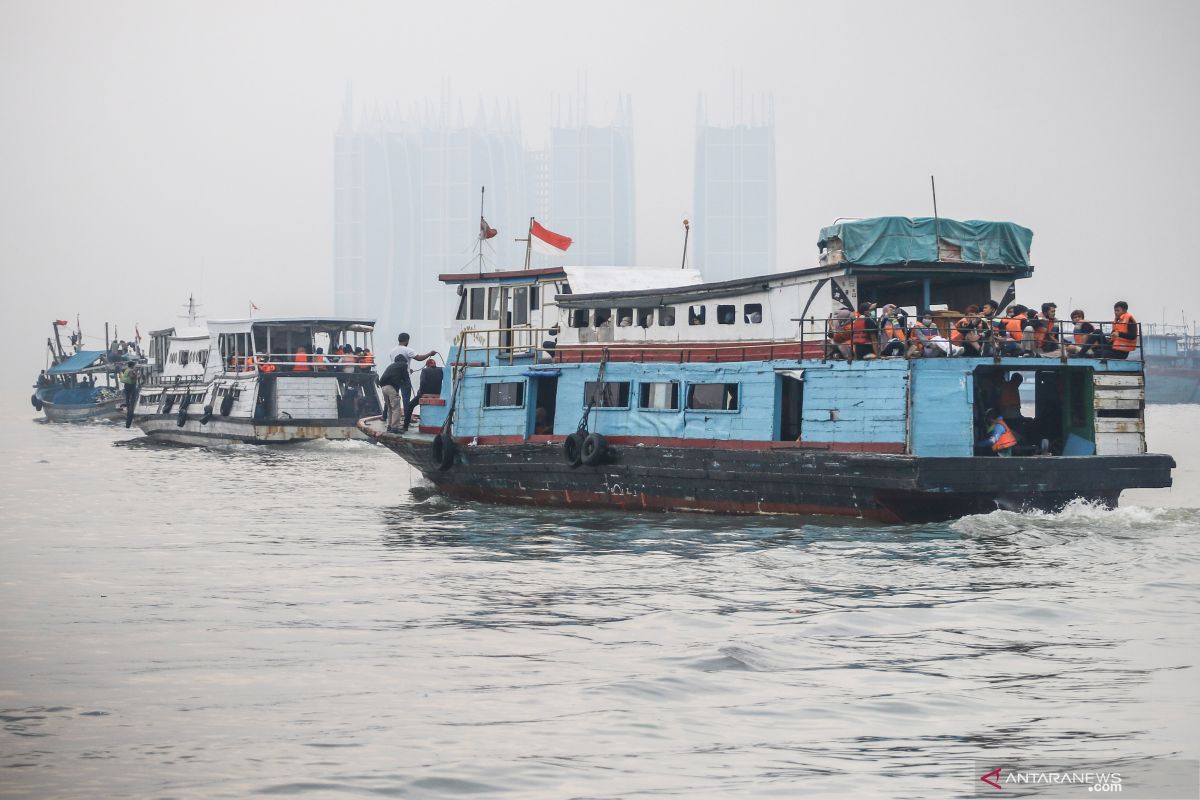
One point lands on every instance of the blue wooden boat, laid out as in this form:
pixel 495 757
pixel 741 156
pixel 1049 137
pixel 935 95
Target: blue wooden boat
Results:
pixel 69 393
pixel 588 387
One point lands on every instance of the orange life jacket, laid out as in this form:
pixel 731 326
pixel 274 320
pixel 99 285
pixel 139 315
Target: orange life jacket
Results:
pixel 1013 326
pixel 368 358
pixel 893 330
pixel 1124 324
pixel 858 330
pixel 1006 439
pixel 349 358
pixel 267 367
pixel 301 358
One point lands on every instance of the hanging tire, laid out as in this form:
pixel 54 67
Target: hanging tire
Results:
pixel 227 405
pixel 181 417
pixel 442 451
pixel 208 412
pixel 573 448
pixel 37 404
pixel 595 448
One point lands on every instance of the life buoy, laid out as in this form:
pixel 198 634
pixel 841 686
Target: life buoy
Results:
pixel 573 448
pixel 182 417
pixel 227 403
pixel 595 448
pixel 208 412
pixel 442 451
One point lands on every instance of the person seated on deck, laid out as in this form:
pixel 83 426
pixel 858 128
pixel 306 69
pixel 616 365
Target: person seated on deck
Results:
pixel 367 360
pixel 892 331
pixel 264 363
pixel 348 359
pixel 541 422
pixel 1123 339
pixel 319 360
pixel 922 338
pixel 431 380
pixel 970 331
pixel 1050 343
pixel 838 341
pixel 1086 341
pixel 1000 438
pixel 1012 330
pixel 864 334
pixel 301 360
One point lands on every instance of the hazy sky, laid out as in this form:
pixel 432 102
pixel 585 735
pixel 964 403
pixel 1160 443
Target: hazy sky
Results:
pixel 152 149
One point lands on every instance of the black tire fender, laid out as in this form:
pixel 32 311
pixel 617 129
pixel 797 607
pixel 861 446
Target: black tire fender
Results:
pixel 227 404
pixel 595 448
pixel 442 451
pixel 182 417
pixel 573 448
pixel 208 412
pixel 37 404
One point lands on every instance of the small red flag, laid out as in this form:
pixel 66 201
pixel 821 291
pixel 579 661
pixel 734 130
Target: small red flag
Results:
pixel 485 231
pixel 61 322
pixel 556 241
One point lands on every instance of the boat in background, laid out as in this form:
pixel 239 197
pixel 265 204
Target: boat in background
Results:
pixel 67 390
pixel 1172 356
pixel 258 381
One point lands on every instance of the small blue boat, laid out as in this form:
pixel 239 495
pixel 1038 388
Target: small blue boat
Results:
pixel 68 390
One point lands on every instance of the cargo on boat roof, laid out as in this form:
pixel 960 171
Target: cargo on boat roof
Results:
pixel 888 241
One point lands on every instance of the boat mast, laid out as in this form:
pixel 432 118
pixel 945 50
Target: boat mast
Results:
pixel 687 228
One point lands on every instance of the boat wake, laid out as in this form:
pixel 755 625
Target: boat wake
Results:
pixel 1076 517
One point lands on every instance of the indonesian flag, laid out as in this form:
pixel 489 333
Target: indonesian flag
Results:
pixel 253 306
pixel 548 242
pixel 61 322
pixel 485 231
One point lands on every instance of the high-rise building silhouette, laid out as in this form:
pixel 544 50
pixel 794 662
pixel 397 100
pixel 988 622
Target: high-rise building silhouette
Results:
pixel 589 188
pixel 406 209
pixel 734 198
pixel 407 201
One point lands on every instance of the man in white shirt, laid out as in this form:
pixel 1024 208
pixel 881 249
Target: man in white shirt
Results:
pixel 402 350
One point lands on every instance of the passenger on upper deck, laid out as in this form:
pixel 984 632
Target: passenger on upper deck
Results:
pixel 839 334
pixel 1123 339
pixel 1088 342
pixel 864 335
pixel 301 360
pixel 1050 332
pixel 970 331
pixel 892 331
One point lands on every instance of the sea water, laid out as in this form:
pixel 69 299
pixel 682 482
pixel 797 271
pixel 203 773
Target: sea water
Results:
pixel 311 621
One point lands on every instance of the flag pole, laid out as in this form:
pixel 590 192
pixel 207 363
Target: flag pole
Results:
pixel 528 242
pixel 481 229
pixel 687 228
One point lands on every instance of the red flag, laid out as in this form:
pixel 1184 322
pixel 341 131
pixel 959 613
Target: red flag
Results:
pixel 557 243
pixel 61 322
pixel 485 231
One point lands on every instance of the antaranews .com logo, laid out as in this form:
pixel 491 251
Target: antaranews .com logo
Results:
pixel 1137 779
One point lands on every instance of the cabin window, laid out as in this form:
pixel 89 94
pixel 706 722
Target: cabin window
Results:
pixel 202 357
pixel 174 358
pixel 659 396
pixel 726 315
pixel 578 318
pixel 713 396
pixel 752 313
pixel 535 297
pixel 696 315
pixel 464 298
pixel 505 395
pixel 493 302
pixel 521 306
pixel 666 316
pixel 477 302
pixel 645 317
pixel 606 394
pixel 625 317
pixel 183 358
pixel 602 317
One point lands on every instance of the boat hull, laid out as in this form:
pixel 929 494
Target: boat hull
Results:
pixel 1172 385
pixel 231 430
pixel 108 409
pixel 777 480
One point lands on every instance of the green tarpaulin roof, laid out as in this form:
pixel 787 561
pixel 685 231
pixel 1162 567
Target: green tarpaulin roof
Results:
pixel 900 240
